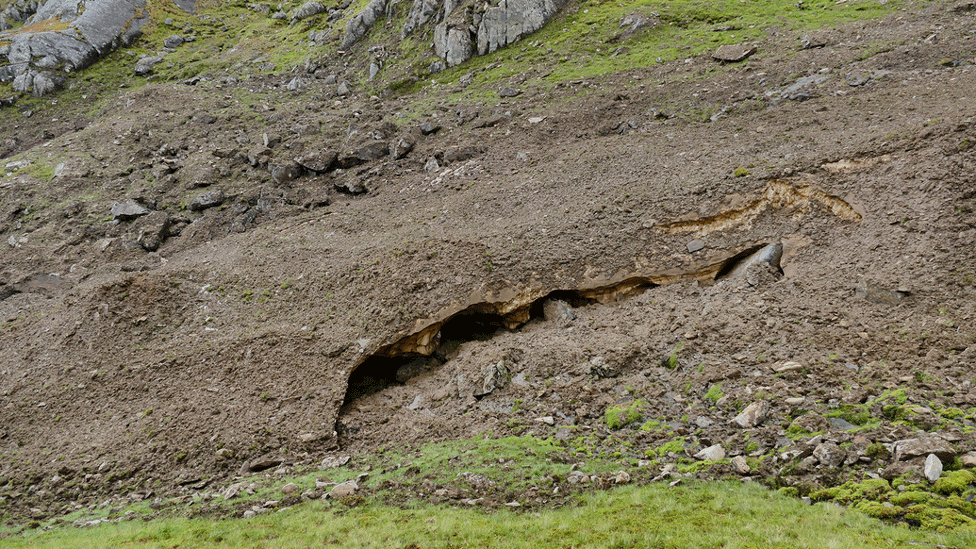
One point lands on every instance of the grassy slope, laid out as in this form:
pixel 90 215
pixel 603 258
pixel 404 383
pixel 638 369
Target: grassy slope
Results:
pixel 720 514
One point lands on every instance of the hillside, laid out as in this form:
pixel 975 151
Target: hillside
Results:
pixel 256 255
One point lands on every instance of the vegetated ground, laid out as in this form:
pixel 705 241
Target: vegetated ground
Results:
pixel 130 375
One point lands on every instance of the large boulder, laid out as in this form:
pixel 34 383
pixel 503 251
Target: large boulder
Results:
pixel 64 36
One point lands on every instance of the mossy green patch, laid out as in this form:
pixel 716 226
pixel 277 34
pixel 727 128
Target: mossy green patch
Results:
pixel 955 482
pixel 625 414
pixel 849 492
pixel 714 392
pixel 855 414
pixel 676 446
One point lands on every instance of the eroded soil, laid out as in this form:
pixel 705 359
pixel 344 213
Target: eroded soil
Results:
pixel 126 371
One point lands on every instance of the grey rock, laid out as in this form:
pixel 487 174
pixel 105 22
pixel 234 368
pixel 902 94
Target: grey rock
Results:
pixel 346 489
pixel 695 245
pixel 261 464
pixel 804 85
pixel 359 25
pixel 758 267
pixel 401 146
pixel 436 67
pixel 733 53
pixel 366 153
pixel 600 368
pixel 933 468
pixel 558 312
pixel 374 69
pixel 318 162
pixel 285 173
pixel 495 377
pixel 343 89
pixel 840 424
pixel 753 415
pixel 428 128
pixel 308 9
pixel 94 29
pixel 917 447
pixel 506 91
pixel 712 453
pixel 128 210
pixel 154 229
pixel 740 465
pixel 968 459
pixel 209 199
pixel 350 185
pixel 857 78
pixel 453 45
pixel 290 488
pixel 296 84
pixel 145 64
pixel 829 454
pixel 332 462
pixel 419 14
pixel 511 20
pixel 812 40
pixel 432 165
pixel 174 41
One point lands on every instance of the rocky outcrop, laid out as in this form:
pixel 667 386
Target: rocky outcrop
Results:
pixel 463 29
pixel 64 36
pixel 358 26
pixel 510 20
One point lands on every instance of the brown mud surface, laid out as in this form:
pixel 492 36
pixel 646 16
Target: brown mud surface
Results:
pixel 433 296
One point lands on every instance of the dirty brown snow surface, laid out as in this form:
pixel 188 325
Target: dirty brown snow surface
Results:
pixel 535 262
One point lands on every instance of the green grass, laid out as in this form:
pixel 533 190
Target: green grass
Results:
pixel 692 515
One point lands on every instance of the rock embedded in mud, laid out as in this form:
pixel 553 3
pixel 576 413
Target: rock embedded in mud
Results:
pixel 285 173
pixel 733 53
pixel 154 230
pixel 495 375
pixel 128 210
pixel 207 200
pixel 558 312
pixel 877 294
pixel 753 415
pixel 319 161
pixel 601 369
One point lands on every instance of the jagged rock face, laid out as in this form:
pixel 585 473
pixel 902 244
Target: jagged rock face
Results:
pixel 460 33
pixel 76 34
pixel 510 20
